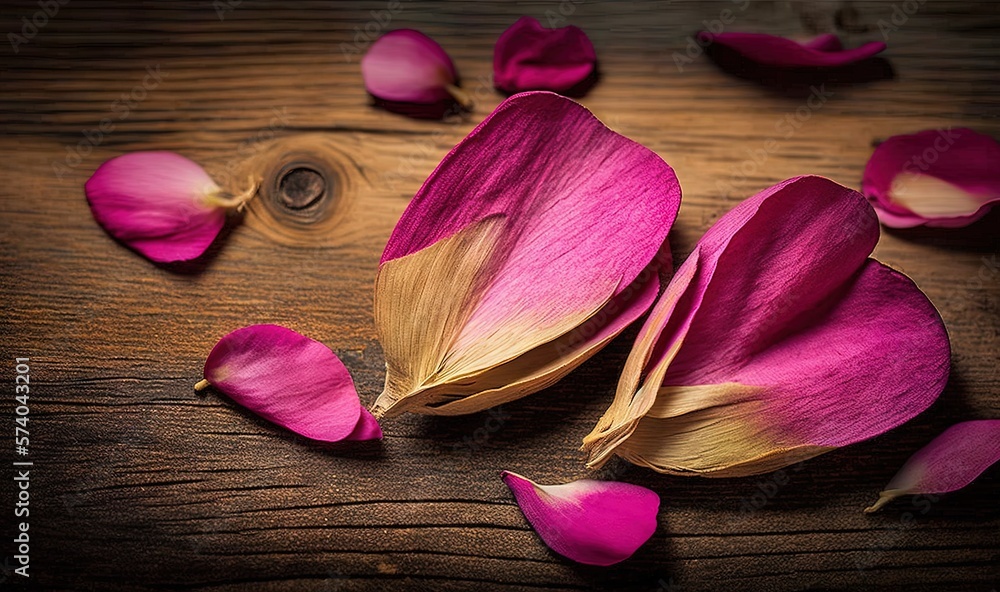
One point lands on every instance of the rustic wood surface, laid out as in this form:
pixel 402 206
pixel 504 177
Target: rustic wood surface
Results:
pixel 140 483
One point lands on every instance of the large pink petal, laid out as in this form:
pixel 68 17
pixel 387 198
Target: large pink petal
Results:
pixel 950 462
pixel 768 264
pixel 407 66
pixel 769 50
pixel 290 380
pixel 778 339
pixel 945 178
pixel 154 202
pixel 584 207
pixel 534 226
pixel 592 522
pixel 528 56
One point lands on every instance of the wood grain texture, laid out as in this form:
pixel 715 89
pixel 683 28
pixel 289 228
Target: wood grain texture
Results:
pixel 139 483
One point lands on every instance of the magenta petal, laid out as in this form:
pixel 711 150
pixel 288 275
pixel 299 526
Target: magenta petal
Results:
pixel 528 56
pixel 290 380
pixel 571 172
pixel 807 314
pixel 407 66
pixel 154 202
pixel 591 522
pixel 567 215
pixel 944 178
pixel 950 462
pixel 367 428
pixel 777 340
pixel 769 50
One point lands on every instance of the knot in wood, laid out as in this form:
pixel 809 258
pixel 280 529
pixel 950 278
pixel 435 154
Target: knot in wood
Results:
pixel 300 188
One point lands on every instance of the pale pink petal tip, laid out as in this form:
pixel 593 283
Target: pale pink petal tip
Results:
pixel 154 202
pixel 591 522
pixel 528 56
pixel 825 51
pixel 367 428
pixel 291 380
pixel 950 462
pixel 944 178
pixel 408 72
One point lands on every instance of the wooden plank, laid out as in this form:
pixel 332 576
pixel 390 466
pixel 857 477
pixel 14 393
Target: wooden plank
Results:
pixel 141 483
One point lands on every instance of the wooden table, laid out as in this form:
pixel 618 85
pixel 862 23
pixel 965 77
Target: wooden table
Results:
pixel 140 483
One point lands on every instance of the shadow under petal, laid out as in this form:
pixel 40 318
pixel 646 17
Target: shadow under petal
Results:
pixel 576 91
pixel 978 237
pixel 798 82
pixel 199 264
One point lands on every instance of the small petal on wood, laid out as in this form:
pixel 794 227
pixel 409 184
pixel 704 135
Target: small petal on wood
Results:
pixel 528 56
pixel 950 462
pixel 591 522
pixel 157 203
pixel 291 380
pixel 945 178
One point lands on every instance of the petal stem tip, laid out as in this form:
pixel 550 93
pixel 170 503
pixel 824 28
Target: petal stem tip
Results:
pixel 378 411
pixel 883 498
pixel 202 385
pixel 463 98
pixel 238 201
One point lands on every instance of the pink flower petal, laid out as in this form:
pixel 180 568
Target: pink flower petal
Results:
pixel 572 213
pixel 825 51
pixel 528 56
pixel 950 462
pixel 408 72
pixel 367 428
pixel 155 203
pixel 592 522
pixel 944 178
pixel 290 380
pixel 777 340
